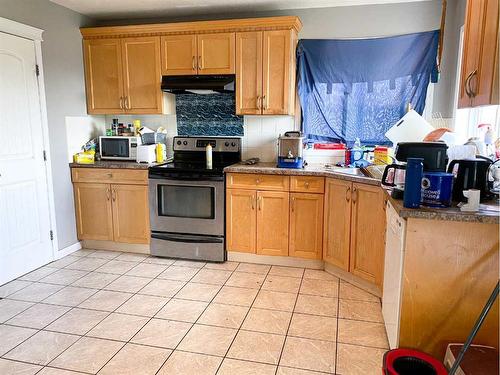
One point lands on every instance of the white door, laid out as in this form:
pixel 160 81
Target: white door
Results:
pixel 25 242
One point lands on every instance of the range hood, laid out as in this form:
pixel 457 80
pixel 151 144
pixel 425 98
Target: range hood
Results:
pixel 199 84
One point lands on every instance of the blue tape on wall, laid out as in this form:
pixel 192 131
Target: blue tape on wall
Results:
pixel 208 115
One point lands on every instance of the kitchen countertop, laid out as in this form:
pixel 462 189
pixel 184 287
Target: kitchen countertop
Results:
pixel 113 164
pixel 310 170
pixel 489 212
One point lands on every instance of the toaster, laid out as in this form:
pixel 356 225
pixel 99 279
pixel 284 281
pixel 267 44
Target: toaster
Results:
pixel 146 154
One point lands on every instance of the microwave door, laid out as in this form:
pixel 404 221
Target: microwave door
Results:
pixel 115 148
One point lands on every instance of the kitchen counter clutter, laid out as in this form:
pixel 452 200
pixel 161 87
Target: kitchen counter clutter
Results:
pixel 108 164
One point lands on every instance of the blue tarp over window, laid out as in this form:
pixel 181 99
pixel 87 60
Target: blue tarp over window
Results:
pixel 361 87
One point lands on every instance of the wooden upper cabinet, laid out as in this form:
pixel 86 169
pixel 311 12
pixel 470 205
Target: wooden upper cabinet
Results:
pixel 306 225
pixel 337 223
pixel 479 75
pixel 277 80
pixel 142 76
pixel 103 75
pixel 241 220
pixel 178 55
pixel 249 73
pixel 272 223
pixel 216 53
pixel 130 213
pixel 368 233
pixel 94 220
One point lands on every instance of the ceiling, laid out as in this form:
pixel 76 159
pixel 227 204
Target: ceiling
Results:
pixel 115 9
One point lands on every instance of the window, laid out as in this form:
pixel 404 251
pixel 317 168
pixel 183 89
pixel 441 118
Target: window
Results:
pixel 360 88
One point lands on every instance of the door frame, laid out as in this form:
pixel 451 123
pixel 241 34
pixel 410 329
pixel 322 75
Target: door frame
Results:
pixel 35 34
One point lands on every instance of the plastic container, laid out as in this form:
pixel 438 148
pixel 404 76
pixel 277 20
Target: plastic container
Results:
pixel 381 155
pixel 413 182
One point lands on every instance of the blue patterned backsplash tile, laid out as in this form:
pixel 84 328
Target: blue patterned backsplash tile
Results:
pixel 209 115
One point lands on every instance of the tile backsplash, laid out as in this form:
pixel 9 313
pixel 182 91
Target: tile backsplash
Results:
pixel 208 115
pixel 260 133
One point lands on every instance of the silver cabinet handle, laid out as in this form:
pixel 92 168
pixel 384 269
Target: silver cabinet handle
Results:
pixel 354 195
pixel 293 204
pixel 471 91
pixel 264 102
pixel 348 194
pixel 252 202
pixel 121 102
pixel 107 194
pixel 127 104
pixel 113 195
pixel 259 107
pixel 306 185
pixel 200 65
pixel 259 201
pixel 194 62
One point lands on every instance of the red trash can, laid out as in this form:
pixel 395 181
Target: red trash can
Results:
pixel 411 362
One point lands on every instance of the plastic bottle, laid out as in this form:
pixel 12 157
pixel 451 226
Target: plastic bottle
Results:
pixel 208 151
pixel 413 182
pixel 356 151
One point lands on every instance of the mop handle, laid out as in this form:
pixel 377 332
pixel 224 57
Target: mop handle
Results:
pixel 478 324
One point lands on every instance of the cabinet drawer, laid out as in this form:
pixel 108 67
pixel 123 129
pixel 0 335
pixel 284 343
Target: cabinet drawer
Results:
pixel 258 181
pixel 307 184
pixel 115 176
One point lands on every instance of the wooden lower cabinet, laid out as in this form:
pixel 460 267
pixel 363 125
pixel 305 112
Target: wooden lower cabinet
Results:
pixel 241 220
pixel 111 211
pixel 94 217
pixel 367 245
pixel 337 222
pixel 272 223
pixel 306 225
pixel 130 214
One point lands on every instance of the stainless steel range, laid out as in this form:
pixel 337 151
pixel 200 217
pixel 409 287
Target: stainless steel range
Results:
pixel 186 199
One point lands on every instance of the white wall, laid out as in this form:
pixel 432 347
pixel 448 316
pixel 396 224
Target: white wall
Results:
pixel 65 92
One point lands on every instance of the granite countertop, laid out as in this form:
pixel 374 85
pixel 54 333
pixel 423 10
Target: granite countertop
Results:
pixel 488 213
pixel 113 164
pixel 310 170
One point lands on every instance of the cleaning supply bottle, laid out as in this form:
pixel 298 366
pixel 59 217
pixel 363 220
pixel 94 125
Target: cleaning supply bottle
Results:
pixel 356 152
pixel 413 182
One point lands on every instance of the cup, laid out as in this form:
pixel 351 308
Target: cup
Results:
pixel 473 196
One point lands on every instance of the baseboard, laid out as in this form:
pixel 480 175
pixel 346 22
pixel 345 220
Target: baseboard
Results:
pixel 355 280
pixel 275 260
pixel 116 246
pixel 68 250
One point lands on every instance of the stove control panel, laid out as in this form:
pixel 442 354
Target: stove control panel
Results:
pixel 219 144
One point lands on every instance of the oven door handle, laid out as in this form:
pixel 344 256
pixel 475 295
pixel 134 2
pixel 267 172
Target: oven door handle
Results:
pixel 190 238
pixel 198 178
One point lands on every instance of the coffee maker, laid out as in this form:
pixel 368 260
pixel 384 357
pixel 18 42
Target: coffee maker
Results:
pixel 434 158
pixel 291 149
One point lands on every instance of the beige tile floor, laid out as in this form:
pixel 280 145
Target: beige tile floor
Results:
pixel 101 312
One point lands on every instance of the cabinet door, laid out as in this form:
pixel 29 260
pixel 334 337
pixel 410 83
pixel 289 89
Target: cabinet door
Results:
pixel 276 72
pixel 142 76
pixel 485 85
pixel 272 223
pixel 94 220
pixel 241 220
pixel 103 76
pixel 130 213
pixel 178 55
pixel 249 73
pixel 306 225
pixel 337 222
pixel 368 233
pixel 216 53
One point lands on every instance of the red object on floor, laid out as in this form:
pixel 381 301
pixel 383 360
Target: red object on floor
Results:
pixel 411 362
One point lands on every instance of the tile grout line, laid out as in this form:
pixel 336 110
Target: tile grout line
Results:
pixel 243 321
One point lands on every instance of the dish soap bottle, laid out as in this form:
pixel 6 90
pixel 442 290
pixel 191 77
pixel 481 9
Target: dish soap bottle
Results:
pixel 356 152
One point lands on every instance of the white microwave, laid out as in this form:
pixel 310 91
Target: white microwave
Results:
pixel 119 147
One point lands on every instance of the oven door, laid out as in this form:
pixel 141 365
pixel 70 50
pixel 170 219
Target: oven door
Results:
pixel 178 205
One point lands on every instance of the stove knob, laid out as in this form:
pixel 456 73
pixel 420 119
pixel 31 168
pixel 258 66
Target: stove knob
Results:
pixel 179 143
pixel 226 144
pixel 185 143
pixel 233 144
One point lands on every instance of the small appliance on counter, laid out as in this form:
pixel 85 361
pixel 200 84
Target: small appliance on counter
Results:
pixel 291 150
pixel 146 154
pixel 434 158
pixel 470 174
pixel 119 147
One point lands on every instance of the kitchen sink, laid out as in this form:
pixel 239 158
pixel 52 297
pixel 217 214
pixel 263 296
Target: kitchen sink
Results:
pixel 348 171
